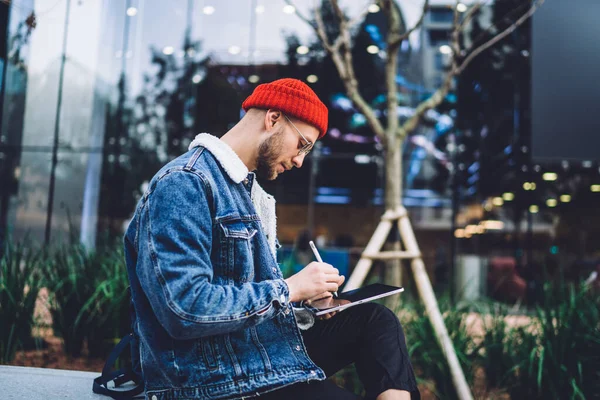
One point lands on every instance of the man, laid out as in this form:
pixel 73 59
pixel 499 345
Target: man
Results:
pixel 214 316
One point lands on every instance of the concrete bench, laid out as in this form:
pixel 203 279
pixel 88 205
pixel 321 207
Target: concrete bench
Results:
pixel 24 383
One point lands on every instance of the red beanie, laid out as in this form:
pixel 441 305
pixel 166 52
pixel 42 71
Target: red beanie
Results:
pixel 294 98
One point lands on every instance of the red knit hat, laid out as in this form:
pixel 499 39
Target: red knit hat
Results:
pixel 294 98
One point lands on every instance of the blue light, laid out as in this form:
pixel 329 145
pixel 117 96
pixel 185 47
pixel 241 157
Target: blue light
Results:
pixel 332 199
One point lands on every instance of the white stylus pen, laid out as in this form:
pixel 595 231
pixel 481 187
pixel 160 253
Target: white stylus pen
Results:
pixel 318 257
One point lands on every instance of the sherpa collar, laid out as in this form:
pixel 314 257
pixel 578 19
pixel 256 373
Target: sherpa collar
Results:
pixel 229 160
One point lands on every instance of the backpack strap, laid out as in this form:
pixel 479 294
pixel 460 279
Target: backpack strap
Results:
pixel 118 377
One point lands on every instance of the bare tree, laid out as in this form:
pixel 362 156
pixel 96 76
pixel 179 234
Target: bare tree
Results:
pixel 392 133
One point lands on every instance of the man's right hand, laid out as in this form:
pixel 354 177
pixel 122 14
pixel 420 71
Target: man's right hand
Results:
pixel 313 280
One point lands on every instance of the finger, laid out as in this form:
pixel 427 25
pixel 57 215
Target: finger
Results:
pixel 341 280
pixel 332 287
pixel 321 296
pixel 329 269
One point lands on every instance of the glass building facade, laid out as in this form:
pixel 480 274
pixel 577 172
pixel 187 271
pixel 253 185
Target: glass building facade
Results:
pixel 97 95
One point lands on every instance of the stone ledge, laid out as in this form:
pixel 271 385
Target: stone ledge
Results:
pixel 26 383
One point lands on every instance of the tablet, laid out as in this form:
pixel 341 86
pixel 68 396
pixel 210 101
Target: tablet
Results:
pixel 354 297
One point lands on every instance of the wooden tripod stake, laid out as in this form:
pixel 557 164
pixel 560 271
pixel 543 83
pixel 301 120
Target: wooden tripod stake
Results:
pixel 412 252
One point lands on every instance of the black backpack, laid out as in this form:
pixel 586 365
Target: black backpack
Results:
pixel 127 382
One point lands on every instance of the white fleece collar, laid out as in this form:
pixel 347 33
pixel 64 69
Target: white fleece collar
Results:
pixel 229 160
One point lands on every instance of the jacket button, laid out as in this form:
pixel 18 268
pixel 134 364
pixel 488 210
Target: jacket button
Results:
pixel 246 181
pixel 298 348
pixel 154 397
pixel 287 311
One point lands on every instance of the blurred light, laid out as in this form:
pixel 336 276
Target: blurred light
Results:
pixel 533 209
pixel 554 249
pixel 564 164
pixel 479 229
pixel 460 7
pixel 302 50
pixel 132 11
pixel 459 233
pixel 362 159
pixel 372 49
pixel 208 10
pixel 587 164
pixel 259 9
pixel 524 149
pixel 551 203
pixel 471 229
pixel 234 50
pixel 445 49
pixel 595 188
pixel 525 53
pixel 196 78
pixel 537 168
pixel 492 225
pixel 373 8
pixel 253 78
pixel 565 198
pixel 289 9
pixel 497 201
pixel 168 50
pixel 527 186
pixel 508 196
pixel 549 176
pixel 312 78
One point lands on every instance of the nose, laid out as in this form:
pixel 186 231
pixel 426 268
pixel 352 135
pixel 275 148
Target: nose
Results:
pixel 298 160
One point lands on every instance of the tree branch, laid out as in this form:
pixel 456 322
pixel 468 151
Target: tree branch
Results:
pixel 469 15
pixel 406 34
pixel 435 100
pixel 499 36
pixel 322 33
pixel 300 15
pixel 341 55
pixel 440 94
pixel 391 62
pixel 517 11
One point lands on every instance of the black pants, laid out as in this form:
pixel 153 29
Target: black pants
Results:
pixel 368 335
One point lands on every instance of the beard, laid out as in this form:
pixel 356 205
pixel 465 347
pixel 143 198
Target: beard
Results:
pixel 268 153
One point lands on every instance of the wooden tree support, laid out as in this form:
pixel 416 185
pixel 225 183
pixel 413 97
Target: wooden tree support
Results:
pixel 412 252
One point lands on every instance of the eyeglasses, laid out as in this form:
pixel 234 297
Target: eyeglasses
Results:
pixel 307 145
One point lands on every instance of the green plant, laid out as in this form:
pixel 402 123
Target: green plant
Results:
pixel 69 276
pixel 496 345
pixel 556 355
pixel 107 309
pixel 565 360
pixel 19 287
pixel 427 355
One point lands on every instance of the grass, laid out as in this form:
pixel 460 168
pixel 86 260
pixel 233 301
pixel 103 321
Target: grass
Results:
pixel 19 287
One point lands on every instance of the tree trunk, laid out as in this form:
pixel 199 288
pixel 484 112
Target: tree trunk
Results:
pixel 393 173
pixel 393 200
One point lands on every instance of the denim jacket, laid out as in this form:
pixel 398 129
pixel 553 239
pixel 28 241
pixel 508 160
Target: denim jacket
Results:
pixel 212 311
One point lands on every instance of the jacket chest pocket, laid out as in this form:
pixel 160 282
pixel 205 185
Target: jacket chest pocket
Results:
pixel 237 257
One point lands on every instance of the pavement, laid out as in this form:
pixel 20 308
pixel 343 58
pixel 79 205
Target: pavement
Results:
pixel 26 383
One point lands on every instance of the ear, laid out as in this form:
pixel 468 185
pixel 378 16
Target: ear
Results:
pixel 272 117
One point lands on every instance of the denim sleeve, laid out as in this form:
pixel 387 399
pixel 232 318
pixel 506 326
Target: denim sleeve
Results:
pixel 178 280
